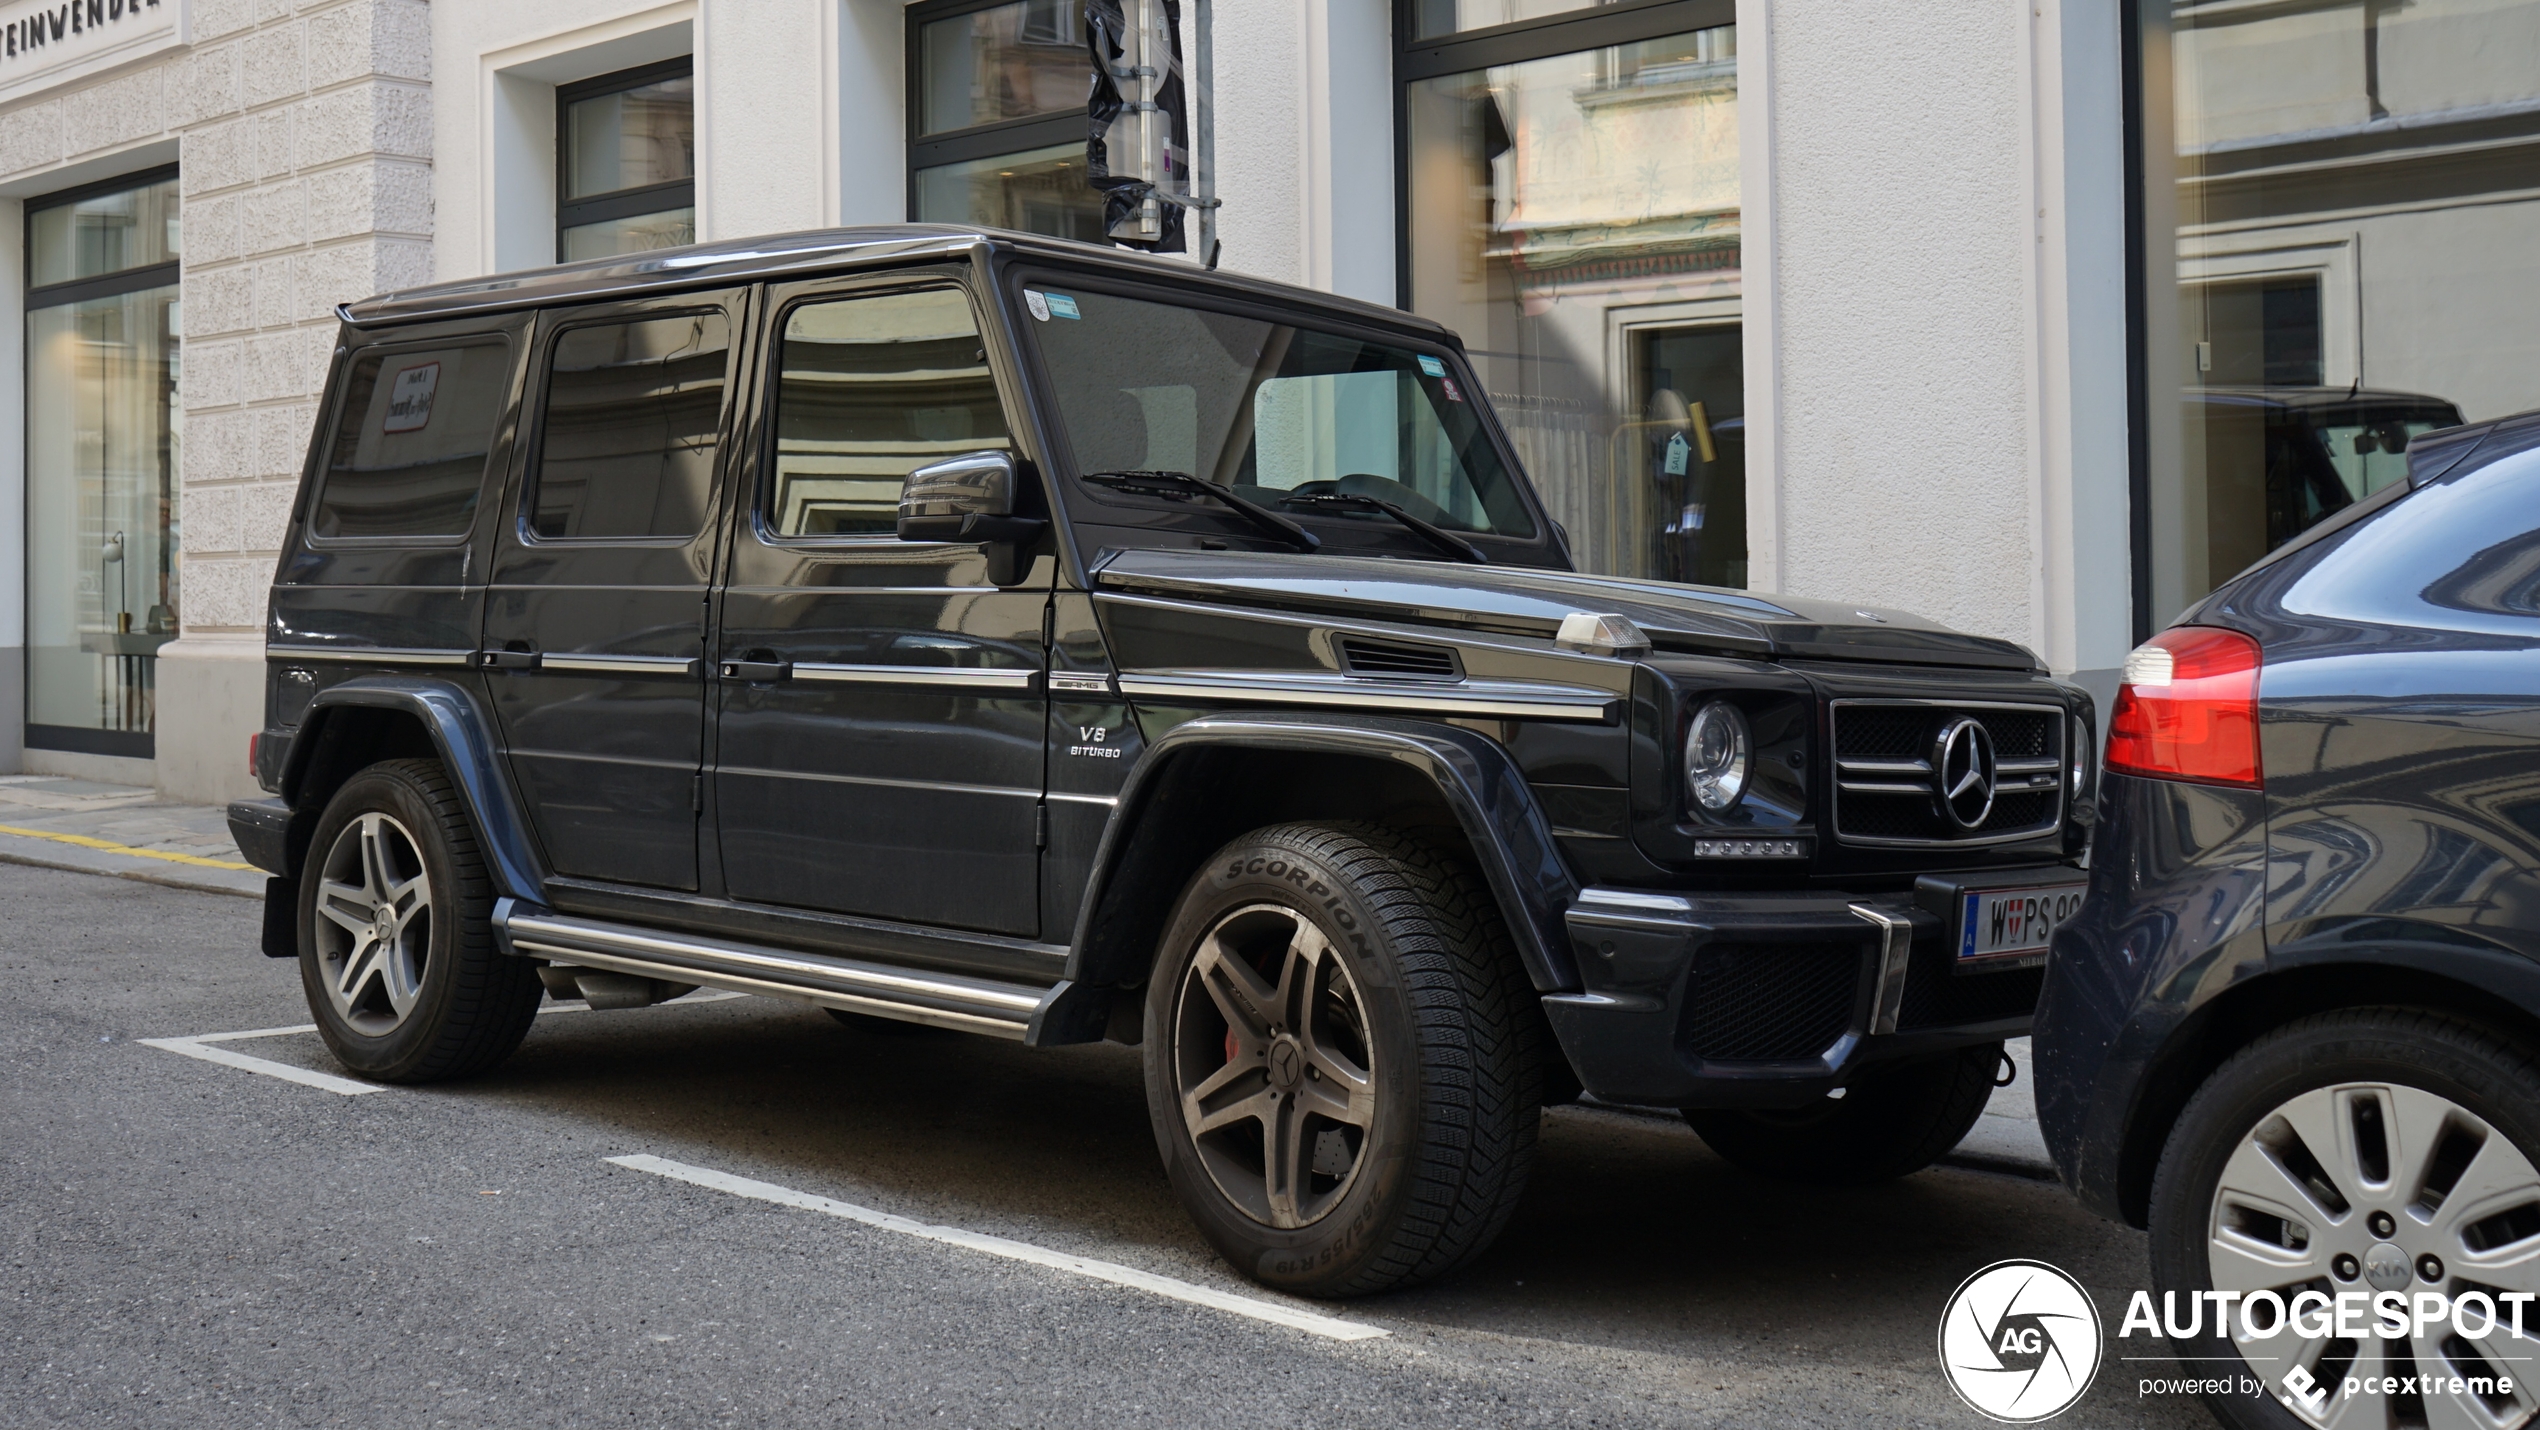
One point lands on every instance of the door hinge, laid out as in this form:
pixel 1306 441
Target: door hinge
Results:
pixel 1040 826
pixel 696 794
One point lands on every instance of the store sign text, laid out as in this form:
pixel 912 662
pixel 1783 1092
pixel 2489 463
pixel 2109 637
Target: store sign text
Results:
pixel 42 44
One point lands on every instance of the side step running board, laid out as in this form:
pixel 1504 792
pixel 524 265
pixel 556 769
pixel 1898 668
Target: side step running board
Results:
pixel 947 1000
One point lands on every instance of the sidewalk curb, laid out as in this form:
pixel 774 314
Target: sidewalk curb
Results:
pixel 208 881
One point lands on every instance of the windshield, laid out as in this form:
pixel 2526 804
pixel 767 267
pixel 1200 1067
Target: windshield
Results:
pixel 1277 415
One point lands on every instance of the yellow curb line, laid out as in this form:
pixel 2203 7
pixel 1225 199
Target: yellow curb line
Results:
pixel 87 842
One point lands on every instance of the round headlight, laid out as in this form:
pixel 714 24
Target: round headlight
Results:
pixel 1717 757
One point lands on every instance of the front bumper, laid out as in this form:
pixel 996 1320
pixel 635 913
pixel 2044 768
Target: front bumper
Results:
pixel 1773 1000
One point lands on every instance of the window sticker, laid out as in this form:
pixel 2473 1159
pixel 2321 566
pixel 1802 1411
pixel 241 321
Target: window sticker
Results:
pixel 1062 306
pixel 1039 305
pixel 1451 394
pixel 410 398
pixel 1432 366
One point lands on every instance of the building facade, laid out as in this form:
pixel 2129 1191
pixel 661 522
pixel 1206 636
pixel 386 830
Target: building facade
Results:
pixel 2038 318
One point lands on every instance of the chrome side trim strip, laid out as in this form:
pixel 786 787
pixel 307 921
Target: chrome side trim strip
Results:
pixel 370 655
pixel 1105 800
pixel 1505 699
pixel 1632 899
pixel 949 1000
pixel 619 664
pixel 933 675
pixel 1896 953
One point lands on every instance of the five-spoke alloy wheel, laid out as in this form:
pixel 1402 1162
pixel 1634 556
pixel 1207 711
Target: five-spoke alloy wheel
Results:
pixel 374 929
pixel 2353 1155
pixel 1272 1060
pixel 1342 1059
pixel 397 953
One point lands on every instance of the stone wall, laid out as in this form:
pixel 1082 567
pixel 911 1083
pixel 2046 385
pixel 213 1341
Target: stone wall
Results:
pixel 303 136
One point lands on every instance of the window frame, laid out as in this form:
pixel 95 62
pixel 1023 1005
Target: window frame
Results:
pixel 339 392
pixel 534 459
pixel 574 213
pixel 80 739
pixel 1595 28
pixel 771 395
pixel 977 141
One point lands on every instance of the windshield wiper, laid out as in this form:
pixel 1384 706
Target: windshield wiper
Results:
pixel 1444 540
pixel 1183 483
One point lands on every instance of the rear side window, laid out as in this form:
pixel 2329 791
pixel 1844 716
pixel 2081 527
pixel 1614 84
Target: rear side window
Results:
pixel 410 442
pixel 632 418
pixel 873 387
pixel 2461 553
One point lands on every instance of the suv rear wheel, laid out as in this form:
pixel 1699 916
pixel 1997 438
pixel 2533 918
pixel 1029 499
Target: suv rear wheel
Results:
pixel 1341 1075
pixel 397 951
pixel 2362 1151
pixel 1890 1122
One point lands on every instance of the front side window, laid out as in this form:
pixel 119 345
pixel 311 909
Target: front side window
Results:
pixel 2341 253
pixel 1573 212
pixel 997 117
pixel 410 442
pixel 103 427
pixel 1276 414
pixel 869 389
pixel 626 162
pixel 633 418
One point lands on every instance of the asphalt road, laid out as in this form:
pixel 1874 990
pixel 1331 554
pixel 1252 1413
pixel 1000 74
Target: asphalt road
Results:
pixel 192 1244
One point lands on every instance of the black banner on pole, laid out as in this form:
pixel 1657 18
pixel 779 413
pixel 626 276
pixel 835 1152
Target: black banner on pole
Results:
pixel 1111 146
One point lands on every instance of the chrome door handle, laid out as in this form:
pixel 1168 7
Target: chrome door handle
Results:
pixel 758 671
pixel 507 660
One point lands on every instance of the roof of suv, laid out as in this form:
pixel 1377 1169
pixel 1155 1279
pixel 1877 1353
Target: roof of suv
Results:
pixel 795 255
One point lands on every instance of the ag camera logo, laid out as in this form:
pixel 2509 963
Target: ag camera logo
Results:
pixel 2020 1341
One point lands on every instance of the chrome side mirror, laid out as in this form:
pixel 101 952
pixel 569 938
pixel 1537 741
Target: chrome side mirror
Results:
pixel 947 500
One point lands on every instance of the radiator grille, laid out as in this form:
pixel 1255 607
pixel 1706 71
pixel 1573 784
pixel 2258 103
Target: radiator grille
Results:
pixel 1768 1002
pixel 1885 790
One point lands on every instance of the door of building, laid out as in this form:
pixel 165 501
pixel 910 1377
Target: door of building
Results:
pixel 879 745
pixel 595 610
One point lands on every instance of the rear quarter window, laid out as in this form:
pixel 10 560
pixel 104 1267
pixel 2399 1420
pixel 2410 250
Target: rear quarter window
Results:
pixel 2462 554
pixel 411 438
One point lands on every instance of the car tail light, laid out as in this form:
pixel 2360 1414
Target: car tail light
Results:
pixel 2188 709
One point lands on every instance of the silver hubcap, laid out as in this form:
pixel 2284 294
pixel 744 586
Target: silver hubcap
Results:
pixel 2372 1187
pixel 1273 1065
pixel 374 923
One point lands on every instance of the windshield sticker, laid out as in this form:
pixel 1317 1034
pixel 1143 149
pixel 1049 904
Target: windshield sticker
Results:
pixel 1451 394
pixel 1062 306
pixel 410 398
pixel 1039 305
pixel 1432 367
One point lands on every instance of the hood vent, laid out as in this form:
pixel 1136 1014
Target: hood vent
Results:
pixel 1425 662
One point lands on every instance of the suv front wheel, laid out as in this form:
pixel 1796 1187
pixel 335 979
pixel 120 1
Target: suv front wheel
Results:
pixel 397 951
pixel 1341 1073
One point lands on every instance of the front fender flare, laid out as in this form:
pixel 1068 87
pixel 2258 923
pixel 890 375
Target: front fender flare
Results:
pixel 1474 774
pixel 468 751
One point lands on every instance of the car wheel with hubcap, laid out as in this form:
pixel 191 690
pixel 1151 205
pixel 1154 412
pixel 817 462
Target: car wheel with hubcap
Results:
pixel 2366 1151
pixel 397 953
pixel 1340 1072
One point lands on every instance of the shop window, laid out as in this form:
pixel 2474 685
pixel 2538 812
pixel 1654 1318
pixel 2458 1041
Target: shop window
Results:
pixel 997 92
pixel 2340 252
pixel 626 162
pixel 102 432
pixel 1570 173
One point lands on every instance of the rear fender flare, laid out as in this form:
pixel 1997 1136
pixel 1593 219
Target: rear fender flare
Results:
pixel 1474 775
pixel 459 732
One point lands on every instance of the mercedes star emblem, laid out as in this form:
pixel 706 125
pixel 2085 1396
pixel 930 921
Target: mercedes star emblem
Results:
pixel 1962 772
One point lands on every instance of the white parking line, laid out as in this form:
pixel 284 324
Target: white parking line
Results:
pixel 198 1046
pixel 1117 1275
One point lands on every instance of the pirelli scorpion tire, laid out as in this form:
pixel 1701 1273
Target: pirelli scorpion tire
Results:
pixel 1342 1059
pixel 1891 1122
pixel 397 950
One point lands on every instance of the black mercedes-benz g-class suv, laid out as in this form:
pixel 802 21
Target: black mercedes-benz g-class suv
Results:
pixel 1027 638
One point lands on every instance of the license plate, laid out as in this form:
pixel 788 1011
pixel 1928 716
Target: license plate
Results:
pixel 2002 923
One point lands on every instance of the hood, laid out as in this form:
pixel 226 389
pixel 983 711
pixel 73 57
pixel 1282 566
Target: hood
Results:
pixel 1530 601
